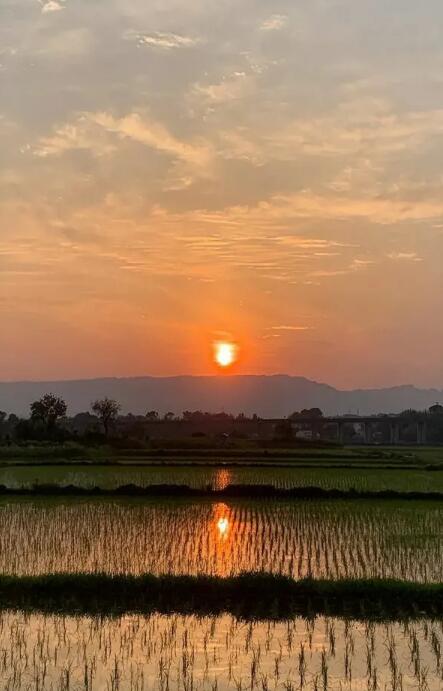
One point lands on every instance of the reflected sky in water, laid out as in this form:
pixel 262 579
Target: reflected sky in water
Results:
pixel 156 653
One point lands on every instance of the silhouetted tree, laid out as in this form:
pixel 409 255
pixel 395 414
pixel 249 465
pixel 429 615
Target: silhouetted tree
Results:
pixel 82 423
pixel 283 431
pixel 12 423
pixel 307 412
pixel 25 430
pixel 107 411
pixel 48 410
pixel 436 409
pixel 3 416
pixel 152 415
pixel 200 416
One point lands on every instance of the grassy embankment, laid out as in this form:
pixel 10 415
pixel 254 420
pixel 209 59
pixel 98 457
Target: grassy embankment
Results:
pixel 185 452
pixel 229 492
pixel 356 470
pixel 249 595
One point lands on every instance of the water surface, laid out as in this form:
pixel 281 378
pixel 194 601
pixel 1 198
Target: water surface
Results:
pixel 376 479
pixel 135 653
pixel 330 539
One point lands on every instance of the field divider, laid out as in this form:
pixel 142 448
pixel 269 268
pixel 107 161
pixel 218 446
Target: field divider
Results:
pixel 231 491
pixel 248 596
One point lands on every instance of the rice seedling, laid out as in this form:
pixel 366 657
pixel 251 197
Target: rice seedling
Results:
pixel 367 479
pixel 188 653
pixel 324 539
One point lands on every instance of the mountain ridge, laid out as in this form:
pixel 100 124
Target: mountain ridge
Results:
pixel 275 395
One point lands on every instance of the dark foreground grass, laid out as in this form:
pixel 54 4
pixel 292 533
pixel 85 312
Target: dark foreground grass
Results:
pixel 248 596
pixel 231 491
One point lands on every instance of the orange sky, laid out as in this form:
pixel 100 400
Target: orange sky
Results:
pixel 179 170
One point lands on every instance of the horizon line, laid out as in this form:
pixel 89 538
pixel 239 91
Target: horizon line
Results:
pixel 72 380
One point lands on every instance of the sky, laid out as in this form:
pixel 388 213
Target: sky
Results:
pixel 175 172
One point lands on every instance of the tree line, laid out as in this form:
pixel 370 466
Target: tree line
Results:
pixel 47 414
pixel 48 420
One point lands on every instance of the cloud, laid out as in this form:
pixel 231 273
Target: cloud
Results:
pixel 79 135
pixel 156 136
pixel 312 205
pixel 286 327
pixel 230 88
pixel 405 256
pixel 163 41
pixel 361 127
pixel 52 6
pixel 274 23
pixel 235 144
pixel 99 133
pixel 377 209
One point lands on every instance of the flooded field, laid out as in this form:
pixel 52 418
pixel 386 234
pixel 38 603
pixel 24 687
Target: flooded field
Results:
pixel 359 539
pixel 136 653
pixel 377 479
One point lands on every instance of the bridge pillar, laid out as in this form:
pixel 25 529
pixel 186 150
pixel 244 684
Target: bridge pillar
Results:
pixel 368 432
pixel 394 433
pixel 422 432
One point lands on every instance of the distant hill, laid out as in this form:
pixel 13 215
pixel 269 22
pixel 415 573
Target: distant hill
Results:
pixel 268 396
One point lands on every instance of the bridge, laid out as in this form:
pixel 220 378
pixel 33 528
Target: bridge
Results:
pixel 267 428
pixel 368 425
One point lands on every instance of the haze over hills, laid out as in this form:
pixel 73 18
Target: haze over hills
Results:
pixel 268 396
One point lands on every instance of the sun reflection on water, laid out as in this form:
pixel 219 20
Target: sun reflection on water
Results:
pixel 222 478
pixel 223 526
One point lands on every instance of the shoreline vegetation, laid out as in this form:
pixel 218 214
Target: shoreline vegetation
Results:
pixel 229 492
pixel 246 596
pixel 216 464
pixel 191 453
pixel 208 449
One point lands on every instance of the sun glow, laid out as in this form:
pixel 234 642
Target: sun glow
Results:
pixel 222 525
pixel 225 353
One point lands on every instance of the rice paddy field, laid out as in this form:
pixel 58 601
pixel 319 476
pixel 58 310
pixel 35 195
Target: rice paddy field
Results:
pixel 52 647
pixel 159 652
pixel 342 539
pixel 403 479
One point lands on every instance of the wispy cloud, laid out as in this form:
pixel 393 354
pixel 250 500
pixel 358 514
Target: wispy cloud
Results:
pixel 309 204
pixel 274 22
pixel 155 135
pixel 231 87
pixel 51 5
pixel 288 327
pixel 97 132
pixel 163 41
pixel 77 135
pixel 405 256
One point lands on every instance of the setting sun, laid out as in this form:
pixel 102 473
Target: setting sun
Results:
pixel 225 353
